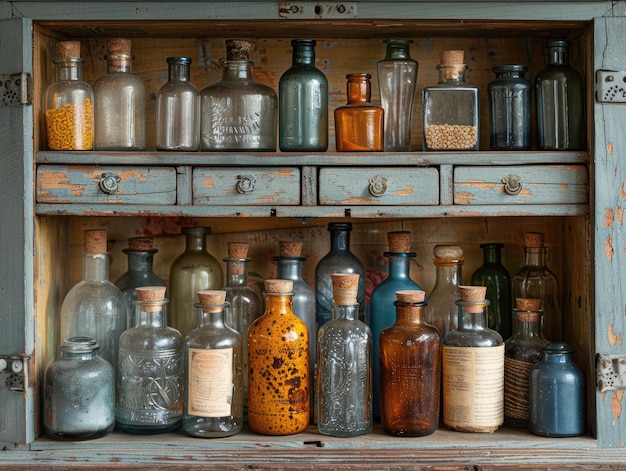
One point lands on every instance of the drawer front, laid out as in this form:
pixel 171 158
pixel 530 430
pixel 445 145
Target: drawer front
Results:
pixel 540 184
pixel 409 186
pixel 246 186
pixel 114 185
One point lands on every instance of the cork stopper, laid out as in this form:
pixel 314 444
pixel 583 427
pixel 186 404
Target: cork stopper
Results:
pixel 117 46
pixel 473 294
pixel 238 49
pixel 448 252
pixel 288 248
pixel 67 49
pixel 215 297
pixel 534 239
pixel 453 57
pixel 527 304
pixel 345 288
pixel 237 249
pixel 411 296
pixel 149 294
pixel 95 241
pixel 140 243
pixel 399 242
pixel 278 286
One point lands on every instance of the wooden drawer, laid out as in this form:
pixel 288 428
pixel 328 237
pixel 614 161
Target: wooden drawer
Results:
pixel 246 186
pixel 540 184
pixel 95 184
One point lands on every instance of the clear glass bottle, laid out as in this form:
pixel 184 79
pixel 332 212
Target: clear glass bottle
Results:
pixel 120 102
pixel 344 377
pixel 472 362
pixel 382 313
pixel 443 311
pixel 410 370
pixel 340 259
pixel 68 106
pixel 359 124
pixel 79 392
pixel 237 112
pixel 536 280
pixel 178 109
pixel 140 253
pixel 451 108
pixel 510 108
pixel 303 102
pixel 497 279
pixel 149 373
pixel 95 307
pixel 213 372
pixel 192 271
pixel 560 102
pixel 397 81
pixel 278 366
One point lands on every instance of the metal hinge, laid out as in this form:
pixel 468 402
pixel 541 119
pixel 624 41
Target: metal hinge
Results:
pixel 610 86
pixel 16 89
pixel 14 372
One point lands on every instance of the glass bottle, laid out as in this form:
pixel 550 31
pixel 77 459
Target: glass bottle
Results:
pixel 521 352
pixel 140 255
pixel 557 394
pixel 95 307
pixel 120 102
pixel 496 278
pixel 344 377
pixel 359 124
pixel 237 112
pixel 178 109
pixel 340 259
pixel 382 313
pixel 472 362
pixel 278 366
pixel 410 370
pixel 443 310
pixel 213 372
pixel 510 108
pixel 536 280
pixel 451 108
pixel 560 102
pixel 149 373
pixel 397 81
pixel 79 398
pixel 192 271
pixel 68 107
pixel 303 102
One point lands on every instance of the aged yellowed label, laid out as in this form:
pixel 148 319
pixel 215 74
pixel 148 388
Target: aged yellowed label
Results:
pixel 210 382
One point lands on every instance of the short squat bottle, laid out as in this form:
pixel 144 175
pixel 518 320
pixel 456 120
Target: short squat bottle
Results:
pixel 68 107
pixel 359 124
pixel 79 392
pixel 178 109
pixel 443 311
pixel 303 102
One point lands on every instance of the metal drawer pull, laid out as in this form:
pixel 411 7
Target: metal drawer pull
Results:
pixel 378 185
pixel 245 184
pixel 109 183
pixel 512 184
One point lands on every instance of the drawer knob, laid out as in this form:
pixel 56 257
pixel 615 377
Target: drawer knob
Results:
pixel 512 184
pixel 109 183
pixel 245 184
pixel 378 185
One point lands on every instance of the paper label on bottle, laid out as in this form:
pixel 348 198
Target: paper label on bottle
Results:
pixel 210 382
pixel 473 387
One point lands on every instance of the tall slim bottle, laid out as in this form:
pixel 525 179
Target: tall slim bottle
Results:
pixel 443 310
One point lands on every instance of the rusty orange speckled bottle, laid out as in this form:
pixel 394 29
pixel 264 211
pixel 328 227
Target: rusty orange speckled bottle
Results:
pixel 278 366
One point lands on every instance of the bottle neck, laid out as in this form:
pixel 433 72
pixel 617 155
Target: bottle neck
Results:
pixel 140 260
pixel 399 265
pixel 359 90
pixel 289 268
pixel 451 74
pixel 151 314
pixel 278 304
pixel 78 355
pixel 535 256
pixel 397 51
pixel 95 266
pixel 195 243
pixel 448 272
pixel 303 55
pixel 558 56
pixel 339 240
pixel 348 313
pixel 472 315
pixel 526 324
pixel 211 317
pixel 70 68
pixel 492 254
pixel 407 313
pixel 236 271
pixel 119 63
pixel 237 70
pixel 178 72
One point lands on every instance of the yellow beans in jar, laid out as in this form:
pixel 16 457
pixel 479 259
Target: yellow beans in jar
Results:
pixel 70 127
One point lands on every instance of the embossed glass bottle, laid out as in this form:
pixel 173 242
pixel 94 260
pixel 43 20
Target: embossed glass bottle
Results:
pixel 149 373
pixel 443 312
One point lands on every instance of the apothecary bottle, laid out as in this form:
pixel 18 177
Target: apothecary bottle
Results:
pixel 303 102
pixel 68 106
pixel 382 313
pixel 339 259
pixel 120 102
pixel 95 307
pixel 397 81
pixel 451 108
pixel 237 112
pixel 149 373
pixel 560 102
pixel 557 394
pixel 442 307
pixel 510 108
pixel 278 366
pixel 213 372
pixel 79 397
pixel 496 278
pixel 472 361
pixel 178 109
pixel 192 271
pixel 410 370
pixel 359 124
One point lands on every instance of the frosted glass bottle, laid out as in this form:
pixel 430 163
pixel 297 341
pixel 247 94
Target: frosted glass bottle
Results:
pixel 149 373
pixel 192 271
pixel 95 307
pixel 443 311
pixel 303 102
pixel 397 81
pixel 344 377
pixel 120 102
